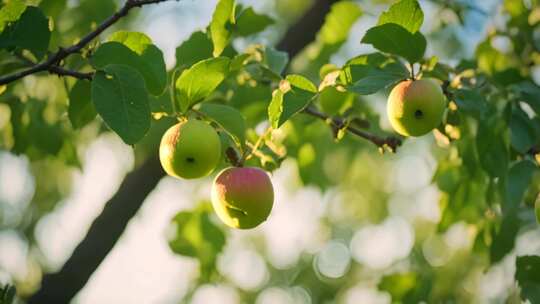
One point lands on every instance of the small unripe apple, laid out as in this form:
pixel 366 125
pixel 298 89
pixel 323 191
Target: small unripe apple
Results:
pixel 415 107
pixel 242 197
pixel 190 149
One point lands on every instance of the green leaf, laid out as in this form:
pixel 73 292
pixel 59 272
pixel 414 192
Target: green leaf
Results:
pixel 537 209
pixel 7 294
pixel 45 136
pixel 523 132
pixel 196 236
pixel 81 110
pixel 470 102
pixel 294 94
pixel 406 13
pixel 230 119
pixel 11 13
pixel 339 21
pixel 121 100
pixel 222 19
pixel 492 148
pixel 394 39
pixel 275 60
pixel 30 32
pixel 378 79
pixel 249 22
pixel 197 82
pixel 333 101
pixel 358 67
pixel 193 50
pixel 528 277
pixel 399 284
pixel 530 93
pixel 503 241
pixel 137 51
pixel 519 178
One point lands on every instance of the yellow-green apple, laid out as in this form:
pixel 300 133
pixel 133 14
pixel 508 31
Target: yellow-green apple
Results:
pixel 190 149
pixel 242 197
pixel 416 107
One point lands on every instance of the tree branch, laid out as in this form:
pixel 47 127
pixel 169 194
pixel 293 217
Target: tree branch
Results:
pixel 54 59
pixel 391 142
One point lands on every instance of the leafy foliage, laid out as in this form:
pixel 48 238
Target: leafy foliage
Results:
pixel 486 151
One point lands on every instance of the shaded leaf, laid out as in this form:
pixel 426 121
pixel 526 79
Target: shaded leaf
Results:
pixel 228 118
pixel 196 48
pixel 470 102
pixel 30 32
pixel 492 147
pixel 517 182
pixel 503 241
pixel 378 79
pixel 137 51
pixel 120 98
pixel 81 110
pixel 523 132
pixel 528 277
pixel 249 22
pixel 275 60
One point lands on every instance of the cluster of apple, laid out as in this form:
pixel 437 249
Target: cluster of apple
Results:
pixel 242 197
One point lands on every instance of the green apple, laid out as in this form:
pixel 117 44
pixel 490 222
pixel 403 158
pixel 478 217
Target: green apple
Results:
pixel 242 197
pixel 190 149
pixel 415 107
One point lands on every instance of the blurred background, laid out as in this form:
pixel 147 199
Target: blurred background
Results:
pixel 349 225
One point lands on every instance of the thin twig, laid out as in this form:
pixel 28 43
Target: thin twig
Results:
pixel 54 59
pixel 58 70
pixel 391 142
pixel 54 69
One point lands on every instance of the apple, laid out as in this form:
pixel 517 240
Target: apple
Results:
pixel 415 107
pixel 190 149
pixel 242 197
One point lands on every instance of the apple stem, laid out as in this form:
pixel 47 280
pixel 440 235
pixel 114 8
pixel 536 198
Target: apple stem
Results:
pixel 255 147
pixel 411 67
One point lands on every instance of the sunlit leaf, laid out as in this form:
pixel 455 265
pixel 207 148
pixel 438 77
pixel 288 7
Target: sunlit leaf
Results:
pixel 406 13
pixel 339 21
pixel 200 80
pixel 11 12
pixel 394 39
pixel 295 93
pixel 194 235
pixel 220 27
